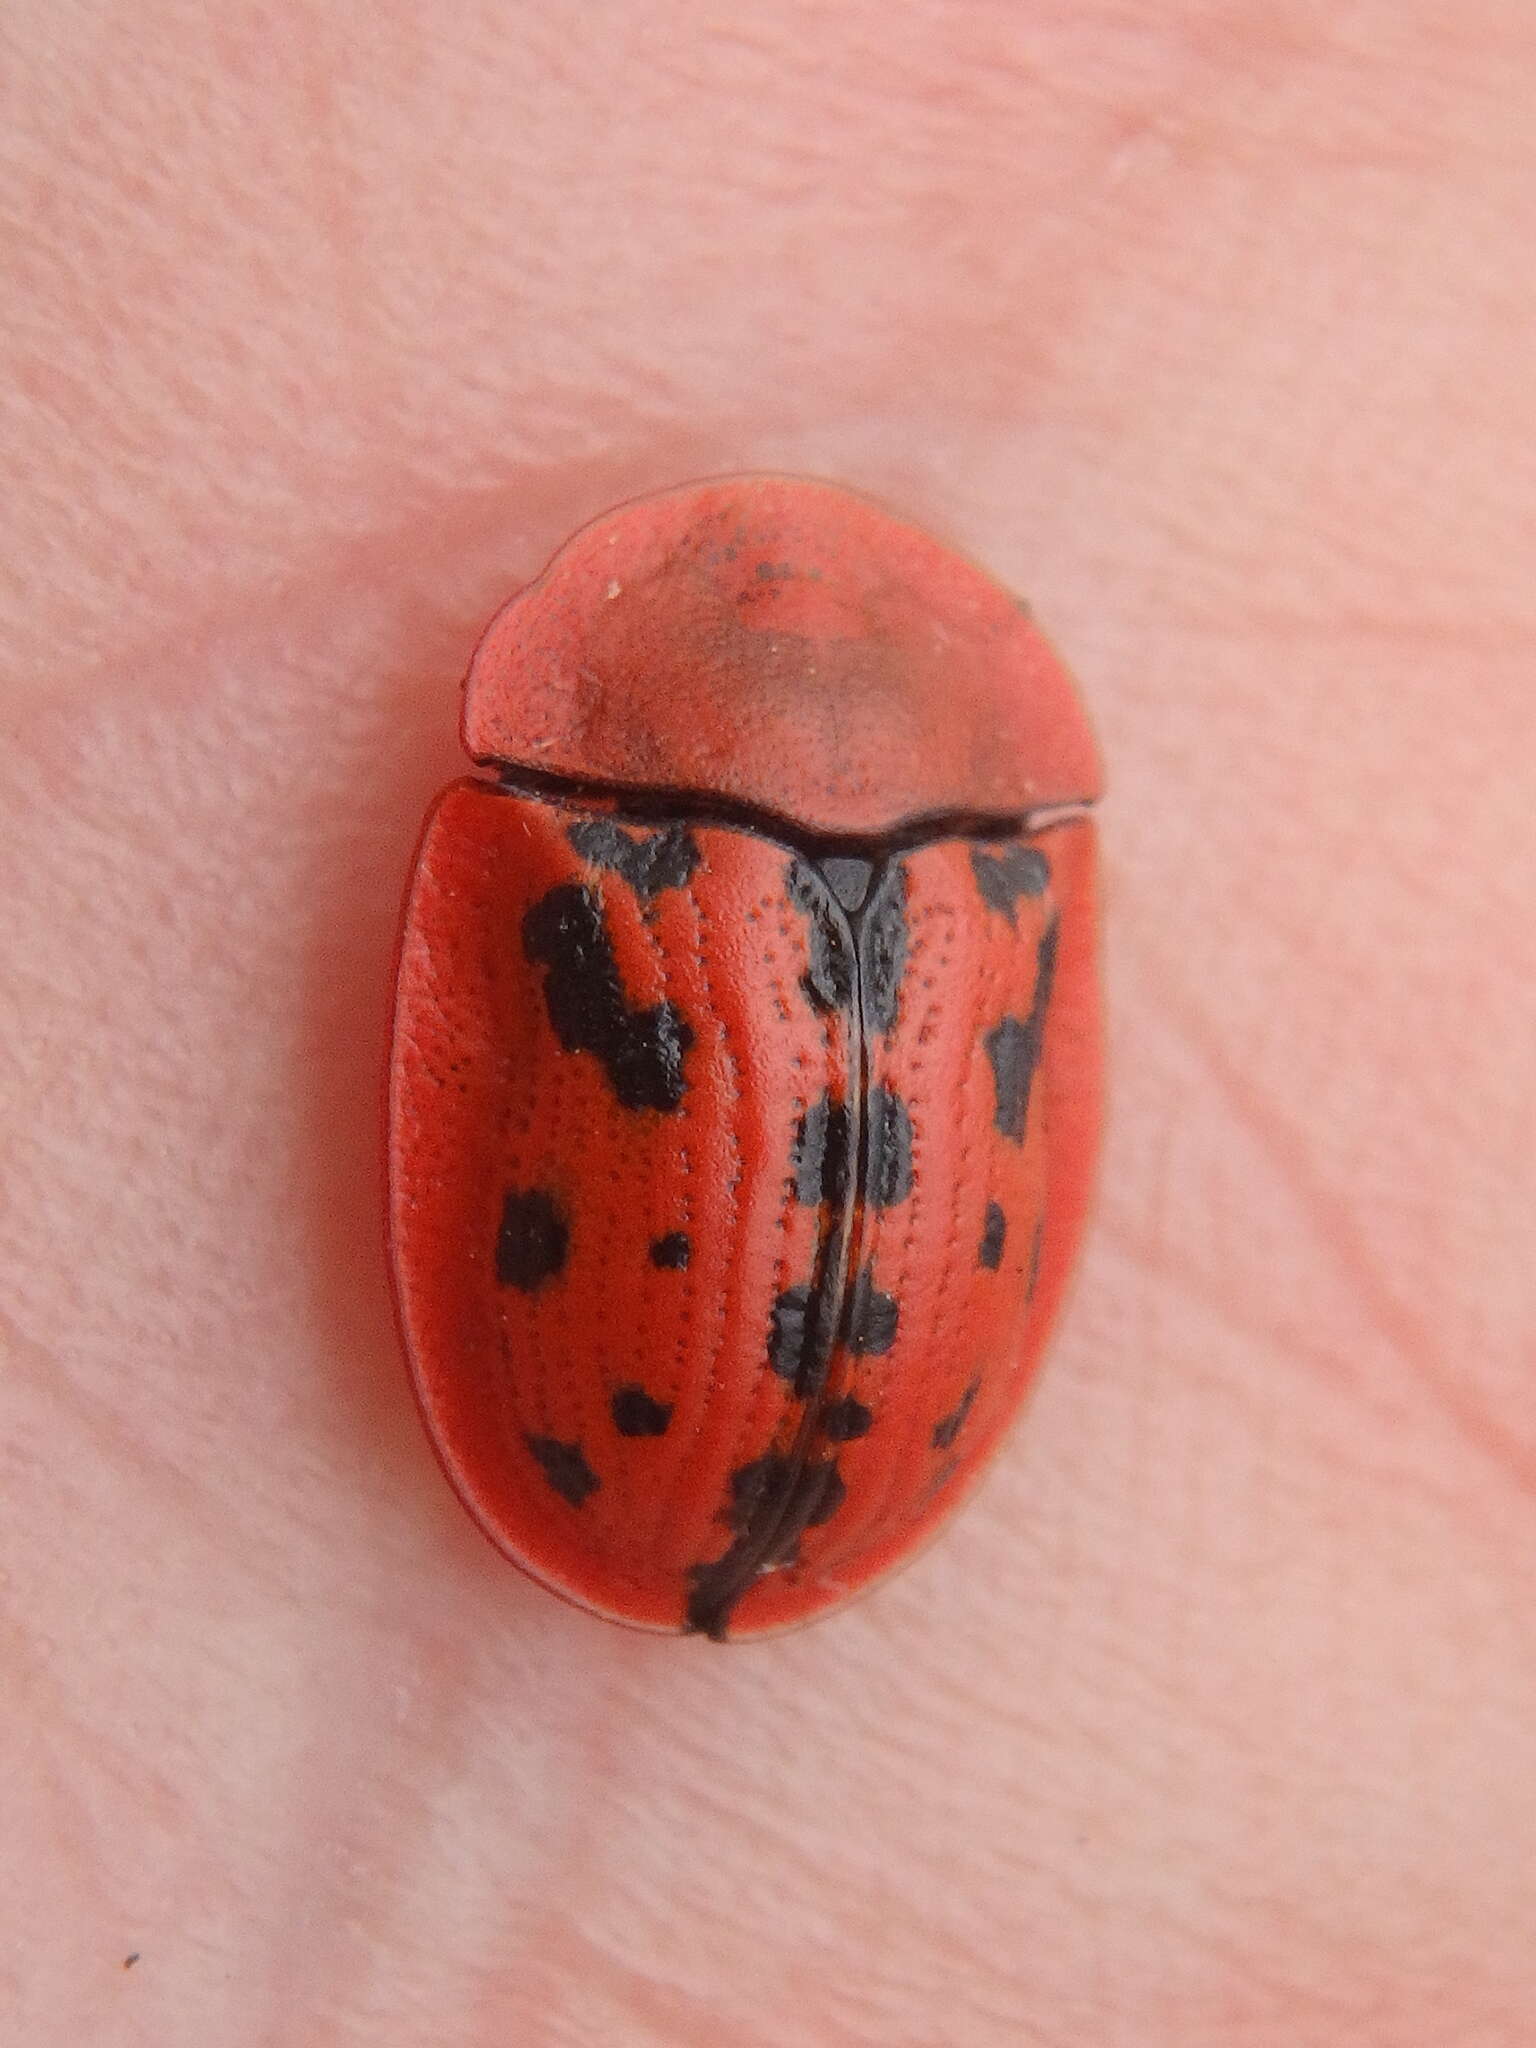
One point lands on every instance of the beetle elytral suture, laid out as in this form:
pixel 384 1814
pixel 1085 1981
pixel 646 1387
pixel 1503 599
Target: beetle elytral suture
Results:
pixel 744 1085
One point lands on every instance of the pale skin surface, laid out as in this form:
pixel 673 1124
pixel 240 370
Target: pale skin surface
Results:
pixel 1209 327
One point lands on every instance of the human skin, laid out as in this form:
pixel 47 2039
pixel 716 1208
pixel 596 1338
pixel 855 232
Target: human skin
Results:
pixel 1208 326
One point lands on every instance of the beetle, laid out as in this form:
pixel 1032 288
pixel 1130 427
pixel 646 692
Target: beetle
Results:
pixel 745 1075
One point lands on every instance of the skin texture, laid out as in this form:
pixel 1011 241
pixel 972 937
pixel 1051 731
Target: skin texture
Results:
pixel 1208 327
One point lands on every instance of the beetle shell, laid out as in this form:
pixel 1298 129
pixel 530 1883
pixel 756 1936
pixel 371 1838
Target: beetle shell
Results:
pixel 742 1112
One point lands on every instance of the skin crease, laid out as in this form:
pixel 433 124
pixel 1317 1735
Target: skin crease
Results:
pixel 1208 326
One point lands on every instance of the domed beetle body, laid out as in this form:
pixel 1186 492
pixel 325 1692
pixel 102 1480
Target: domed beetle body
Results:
pixel 744 1088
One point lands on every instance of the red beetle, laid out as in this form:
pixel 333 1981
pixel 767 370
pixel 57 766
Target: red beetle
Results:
pixel 745 1080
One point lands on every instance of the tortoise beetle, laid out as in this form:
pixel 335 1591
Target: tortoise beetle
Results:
pixel 744 1087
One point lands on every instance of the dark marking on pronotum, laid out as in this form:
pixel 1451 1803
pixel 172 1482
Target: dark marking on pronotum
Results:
pixel 532 1241
pixel 820 1156
pixel 993 1237
pixel 872 1317
pixel 772 1502
pixel 1003 878
pixel 649 861
pixel 828 980
pixel 673 1251
pixel 883 948
pixel 1013 1046
pixel 564 1467
pixel 789 1348
pixel 1034 1259
pixel 130 1960
pixel 641 1051
pixel 636 1413
pixel 949 1426
pixel 842 1421
pixel 890 1149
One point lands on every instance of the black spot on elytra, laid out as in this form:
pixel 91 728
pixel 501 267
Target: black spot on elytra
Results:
pixel 872 1317
pixel 772 1502
pixel 819 1495
pixel 820 1156
pixel 993 1237
pixel 842 1421
pixel 1034 1259
pixel 942 1474
pixel 648 861
pixel 673 1251
pixel 828 980
pixel 641 1051
pixel 1013 1046
pixel 883 948
pixel 532 1241
pixel 1012 1050
pixel 768 1486
pixel 1003 878
pixel 948 1428
pixel 789 1333
pixel 874 899
pixel 1045 965
pixel 564 1467
pixel 848 877
pixel 635 1413
pixel 715 1589
pixel 890 1149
